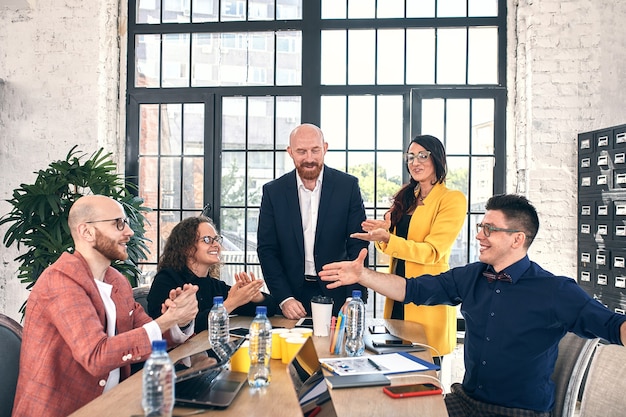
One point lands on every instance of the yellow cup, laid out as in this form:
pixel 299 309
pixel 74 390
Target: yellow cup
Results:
pixel 293 346
pixel 276 351
pixel 284 354
pixel 240 361
pixel 305 332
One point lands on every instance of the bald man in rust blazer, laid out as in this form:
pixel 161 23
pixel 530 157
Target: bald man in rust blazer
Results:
pixel 82 327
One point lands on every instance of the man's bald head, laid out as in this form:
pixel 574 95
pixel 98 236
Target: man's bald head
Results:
pixel 92 207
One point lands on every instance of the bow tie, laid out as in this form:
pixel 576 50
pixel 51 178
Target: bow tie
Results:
pixel 492 276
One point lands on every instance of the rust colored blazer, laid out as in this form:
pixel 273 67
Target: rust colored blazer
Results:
pixel 66 355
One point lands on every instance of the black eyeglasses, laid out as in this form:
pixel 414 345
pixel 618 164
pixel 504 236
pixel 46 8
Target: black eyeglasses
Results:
pixel 120 222
pixel 488 229
pixel 210 239
pixel 421 157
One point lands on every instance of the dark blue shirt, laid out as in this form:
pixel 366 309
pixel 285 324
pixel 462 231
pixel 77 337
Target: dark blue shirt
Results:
pixel 513 329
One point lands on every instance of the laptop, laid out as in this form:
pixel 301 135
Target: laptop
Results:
pixel 307 378
pixel 202 380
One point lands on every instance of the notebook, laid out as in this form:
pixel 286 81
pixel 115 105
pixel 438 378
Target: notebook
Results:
pixel 202 380
pixel 307 377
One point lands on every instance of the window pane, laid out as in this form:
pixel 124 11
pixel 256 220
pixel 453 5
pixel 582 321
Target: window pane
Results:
pixel 151 234
pixel 148 129
pixel 170 177
pixel 289 9
pixel 233 123
pixel 260 58
pixel 451 56
pixel 260 123
pixel 361 9
pixel 171 129
pixel 334 9
pixel 361 118
pixel 421 8
pixel 233 59
pixel 148 11
pixel 458 173
pixel 457 128
pixel 287 118
pixel 482 56
pixel 289 58
pixel 390 68
pixel 482 126
pixel 261 10
pixel 148 59
pixel 258 163
pixel 336 160
pixel 333 60
pixel 420 59
pixel 233 179
pixel 284 163
pixel 361 52
pixel 193 129
pixel 149 181
pixel 481 180
pixel 451 8
pixel 175 60
pixel 193 183
pixel 233 246
pixel 433 118
pixel 167 221
pixel 204 59
pixel 233 10
pixel 389 119
pixel 204 10
pixel 483 8
pixel 175 11
pixel 333 121
pixel 389 169
pixel 361 165
pixel 458 256
pixel 390 8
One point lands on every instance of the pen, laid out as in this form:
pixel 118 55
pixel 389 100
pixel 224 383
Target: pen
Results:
pixel 374 364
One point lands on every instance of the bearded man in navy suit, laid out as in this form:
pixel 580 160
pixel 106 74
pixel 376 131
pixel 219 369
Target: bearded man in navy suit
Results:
pixel 305 222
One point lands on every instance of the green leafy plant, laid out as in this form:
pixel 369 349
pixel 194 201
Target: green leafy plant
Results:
pixel 39 215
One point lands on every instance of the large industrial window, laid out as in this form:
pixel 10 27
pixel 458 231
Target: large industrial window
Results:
pixel 214 88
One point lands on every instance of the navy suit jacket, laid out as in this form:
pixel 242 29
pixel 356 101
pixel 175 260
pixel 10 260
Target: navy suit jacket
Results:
pixel 281 239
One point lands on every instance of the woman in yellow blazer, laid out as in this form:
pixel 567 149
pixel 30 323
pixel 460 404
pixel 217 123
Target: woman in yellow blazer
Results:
pixel 418 233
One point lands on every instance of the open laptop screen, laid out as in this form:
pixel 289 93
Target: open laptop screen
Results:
pixel 206 360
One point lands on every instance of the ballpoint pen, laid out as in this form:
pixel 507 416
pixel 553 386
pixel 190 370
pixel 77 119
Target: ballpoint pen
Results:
pixel 374 364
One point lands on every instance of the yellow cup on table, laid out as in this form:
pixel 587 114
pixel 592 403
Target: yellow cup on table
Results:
pixel 240 361
pixel 284 354
pixel 276 351
pixel 293 346
pixel 305 332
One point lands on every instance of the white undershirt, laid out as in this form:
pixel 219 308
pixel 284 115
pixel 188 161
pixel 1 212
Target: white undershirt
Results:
pixel 309 207
pixel 109 309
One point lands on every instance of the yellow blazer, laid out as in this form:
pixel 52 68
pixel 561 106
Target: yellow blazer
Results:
pixel 432 231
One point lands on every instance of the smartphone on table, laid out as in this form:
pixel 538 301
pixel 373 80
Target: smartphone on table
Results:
pixel 412 390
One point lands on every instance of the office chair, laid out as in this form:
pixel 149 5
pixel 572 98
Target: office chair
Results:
pixel 574 355
pixel 604 393
pixel 10 344
pixel 141 296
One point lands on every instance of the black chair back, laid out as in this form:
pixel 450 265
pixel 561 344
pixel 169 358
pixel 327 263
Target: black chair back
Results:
pixel 10 344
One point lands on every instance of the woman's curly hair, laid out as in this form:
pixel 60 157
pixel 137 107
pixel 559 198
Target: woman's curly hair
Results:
pixel 181 245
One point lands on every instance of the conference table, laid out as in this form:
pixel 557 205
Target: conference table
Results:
pixel 279 399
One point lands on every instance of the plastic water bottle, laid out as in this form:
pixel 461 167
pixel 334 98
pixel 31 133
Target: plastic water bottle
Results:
pixel 355 325
pixel 158 382
pixel 259 374
pixel 218 323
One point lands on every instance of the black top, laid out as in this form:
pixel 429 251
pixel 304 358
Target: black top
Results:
pixel 209 287
pixel 402 230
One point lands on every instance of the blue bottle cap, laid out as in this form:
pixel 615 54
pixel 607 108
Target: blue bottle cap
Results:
pixel 356 293
pixel 261 310
pixel 218 299
pixel 159 345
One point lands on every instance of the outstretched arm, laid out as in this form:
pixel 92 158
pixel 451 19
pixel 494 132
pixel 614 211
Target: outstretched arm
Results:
pixel 353 272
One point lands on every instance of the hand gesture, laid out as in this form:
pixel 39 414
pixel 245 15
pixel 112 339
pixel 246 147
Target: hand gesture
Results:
pixel 293 309
pixel 345 272
pixel 246 289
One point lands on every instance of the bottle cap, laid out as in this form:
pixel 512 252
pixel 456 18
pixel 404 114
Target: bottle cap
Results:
pixel 261 310
pixel 356 293
pixel 218 299
pixel 159 345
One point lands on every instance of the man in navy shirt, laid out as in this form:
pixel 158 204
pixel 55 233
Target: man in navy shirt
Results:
pixel 515 313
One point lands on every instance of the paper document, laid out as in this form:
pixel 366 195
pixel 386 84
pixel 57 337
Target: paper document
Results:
pixel 389 363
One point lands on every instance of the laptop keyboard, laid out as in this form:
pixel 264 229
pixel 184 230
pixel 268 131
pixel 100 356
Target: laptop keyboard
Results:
pixel 198 387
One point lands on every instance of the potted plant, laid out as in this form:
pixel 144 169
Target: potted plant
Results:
pixel 40 210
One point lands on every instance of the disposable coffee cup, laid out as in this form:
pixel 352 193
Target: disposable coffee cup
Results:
pixel 240 361
pixel 322 311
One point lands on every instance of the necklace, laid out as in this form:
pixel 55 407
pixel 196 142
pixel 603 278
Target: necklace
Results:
pixel 417 191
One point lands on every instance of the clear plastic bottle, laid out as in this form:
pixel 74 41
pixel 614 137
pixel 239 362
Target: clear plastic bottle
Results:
pixel 355 325
pixel 158 382
pixel 218 323
pixel 259 374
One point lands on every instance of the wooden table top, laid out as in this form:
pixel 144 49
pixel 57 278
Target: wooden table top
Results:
pixel 279 399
